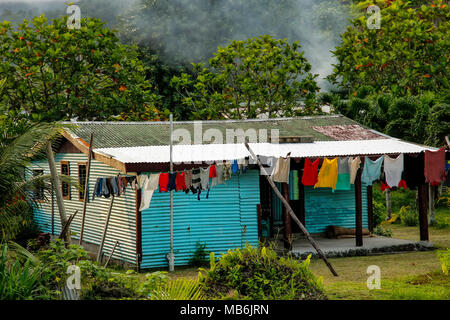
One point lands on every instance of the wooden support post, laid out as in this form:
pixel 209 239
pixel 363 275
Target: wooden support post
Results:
pixel 388 204
pixel 370 208
pixel 57 188
pixel 423 221
pixel 292 214
pixel 105 229
pixel 358 207
pixel 86 189
pixel 287 220
pixel 67 225
pixel 138 229
pixel 301 197
pixel 431 217
pixel 112 252
pixel 258 210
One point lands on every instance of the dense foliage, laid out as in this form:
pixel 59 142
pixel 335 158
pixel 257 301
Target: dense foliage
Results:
pixel 20 143
pixel 258 273
pixel 53 73
pixel 408 55
pixel 423 118
pixel 246 79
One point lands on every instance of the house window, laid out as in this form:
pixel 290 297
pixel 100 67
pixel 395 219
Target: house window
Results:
pixel 38 192
pixel 65 188
pixel 81 180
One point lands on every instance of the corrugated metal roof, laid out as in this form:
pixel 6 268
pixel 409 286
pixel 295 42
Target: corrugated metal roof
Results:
pixel 136 134
pixel 349 132
pixel 217 152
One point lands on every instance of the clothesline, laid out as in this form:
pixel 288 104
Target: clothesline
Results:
pixel 338 173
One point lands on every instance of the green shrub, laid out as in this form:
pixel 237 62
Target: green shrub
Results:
pixel 200 256
pixel 379 212
pixel 444 257
pixel 380 231
pixel 21 277
pixel 258 273
pixel 408 216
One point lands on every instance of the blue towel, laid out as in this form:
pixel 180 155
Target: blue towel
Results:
pixel 372 170
pixel 235 167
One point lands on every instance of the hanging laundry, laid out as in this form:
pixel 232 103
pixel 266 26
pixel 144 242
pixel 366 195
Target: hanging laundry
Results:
pixel 188 179
pixel 414 170
pixel 218 179
pixel 163 182
pixel 107 188
pixel 120 185
pixel 235 167
pixel 97 188
pixel 226 171
pixel 281 170
pixel 268 163
pixel 212 171
pixel 393 169
pixel 310 172
pixel 181 181
pixel 195 182
pixel 447 170
pixel 328 174
pixel 354 166
pixel 172 185
pixel 343 178
pixel 243 165
pixel 204 178
pixel 114 186
pixel 435 166
pixel 372 170
pixel 148 188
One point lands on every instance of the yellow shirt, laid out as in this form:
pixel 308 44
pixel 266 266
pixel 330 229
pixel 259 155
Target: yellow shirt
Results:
pixel 328 174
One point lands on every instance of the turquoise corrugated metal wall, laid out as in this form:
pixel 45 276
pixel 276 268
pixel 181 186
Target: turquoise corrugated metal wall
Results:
pixel 226 220
pixel 324 207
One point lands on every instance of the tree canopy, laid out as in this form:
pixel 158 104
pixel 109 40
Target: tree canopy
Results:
pixel 409 54
pixel 247 79
pixel 53 73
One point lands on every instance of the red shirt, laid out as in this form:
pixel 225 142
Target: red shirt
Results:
pixel 180 181
pixel 310 172
pixel 163 182
pixel 435 166
pixel 212 171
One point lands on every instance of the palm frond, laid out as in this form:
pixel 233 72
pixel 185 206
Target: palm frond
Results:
pixel 179 289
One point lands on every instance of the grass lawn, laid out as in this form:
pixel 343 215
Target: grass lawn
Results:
pixel 410 275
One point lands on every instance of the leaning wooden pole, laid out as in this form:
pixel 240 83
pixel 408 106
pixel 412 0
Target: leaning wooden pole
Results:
pixel 105 229
pixel 57 188
pixel 86 188
pixel 291 213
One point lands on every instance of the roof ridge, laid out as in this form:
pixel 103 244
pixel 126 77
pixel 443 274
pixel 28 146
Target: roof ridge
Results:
pixel 208 121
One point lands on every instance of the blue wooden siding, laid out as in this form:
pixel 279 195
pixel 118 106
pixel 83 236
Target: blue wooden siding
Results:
pixel 226 220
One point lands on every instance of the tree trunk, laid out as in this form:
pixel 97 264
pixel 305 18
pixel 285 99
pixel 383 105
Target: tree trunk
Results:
pixel 57 188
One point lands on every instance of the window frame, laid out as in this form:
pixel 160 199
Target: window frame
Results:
pixel 81 184
pixel 68 196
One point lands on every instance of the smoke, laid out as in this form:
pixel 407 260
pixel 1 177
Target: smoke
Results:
pixel 190 30
pixel 185 31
